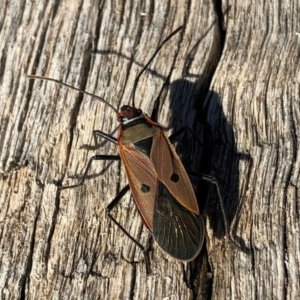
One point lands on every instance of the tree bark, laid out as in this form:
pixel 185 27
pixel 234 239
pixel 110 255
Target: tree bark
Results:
pixel 232 75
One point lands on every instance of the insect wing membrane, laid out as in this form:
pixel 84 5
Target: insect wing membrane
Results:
pixel 178 231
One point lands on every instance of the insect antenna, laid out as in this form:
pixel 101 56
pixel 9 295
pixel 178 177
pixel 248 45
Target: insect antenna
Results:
pixel 150 60
pixel 73 88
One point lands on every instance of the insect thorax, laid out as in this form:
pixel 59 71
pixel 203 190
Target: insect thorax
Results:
pixel 138 129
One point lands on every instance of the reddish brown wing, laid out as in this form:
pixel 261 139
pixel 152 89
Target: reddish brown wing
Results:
pixel 171 172
pixel 140 171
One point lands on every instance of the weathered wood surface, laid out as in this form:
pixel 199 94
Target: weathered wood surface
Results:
pixel 234 74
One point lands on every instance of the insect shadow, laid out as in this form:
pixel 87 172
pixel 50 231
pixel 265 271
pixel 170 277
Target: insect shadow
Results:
pixel 214 151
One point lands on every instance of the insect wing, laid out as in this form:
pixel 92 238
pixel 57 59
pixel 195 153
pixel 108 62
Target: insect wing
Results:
pixel 178 231
pixel 171 172
pixel 142 179
pixel 178 228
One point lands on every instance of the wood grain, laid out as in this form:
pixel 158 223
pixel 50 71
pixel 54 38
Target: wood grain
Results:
pixel 232 75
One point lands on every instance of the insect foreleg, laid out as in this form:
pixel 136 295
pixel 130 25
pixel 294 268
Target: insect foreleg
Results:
pixel 104 135
pixel 96 157
pixel 109 208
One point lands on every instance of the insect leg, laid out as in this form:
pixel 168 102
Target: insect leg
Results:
pixel 96 157
pixel 109 208
pixel 213 181
pixel 182 130
pixel 155 110
pixel 104 135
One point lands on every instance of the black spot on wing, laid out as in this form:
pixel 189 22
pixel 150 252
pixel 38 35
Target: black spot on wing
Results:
pixel 174 177
pixel 145 188
pixel 178 231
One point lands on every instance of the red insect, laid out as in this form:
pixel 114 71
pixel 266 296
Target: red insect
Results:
pixel 160 185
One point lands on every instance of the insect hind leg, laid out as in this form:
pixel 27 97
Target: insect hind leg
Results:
pixel 108 210
pixel 214 182
pixel 211 180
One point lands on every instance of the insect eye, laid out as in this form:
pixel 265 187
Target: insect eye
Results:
pixel 125 107
pixel 174 177
pixel 120 119
pixel 145 188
